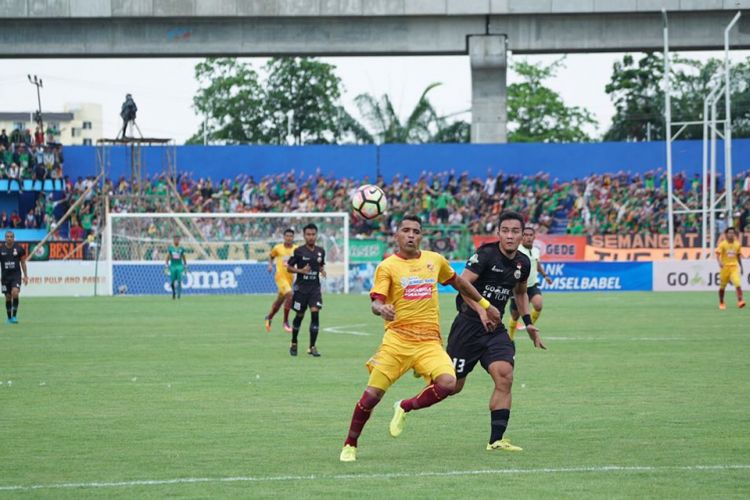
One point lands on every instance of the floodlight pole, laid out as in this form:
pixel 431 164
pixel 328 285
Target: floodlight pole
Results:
pixel 36 81
pixel 709 104
pixel 728 181
pixel 668 134
pixel 712 175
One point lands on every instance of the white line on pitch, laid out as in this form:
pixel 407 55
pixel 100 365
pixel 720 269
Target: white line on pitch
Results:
pixel 385 475
pixel 624 339
pixel 340 329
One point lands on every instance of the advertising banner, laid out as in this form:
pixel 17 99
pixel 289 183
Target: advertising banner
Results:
pixel 369 250
pixel 597 254
pixel 66 279
pixel 553 247
pixel 566 276
pixel 57 250
pixel 211 278
pixel 648 247
pixel 597 277
pixel 695 276
pixel 641 241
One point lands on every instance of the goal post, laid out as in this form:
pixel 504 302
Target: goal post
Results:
pixel 227 253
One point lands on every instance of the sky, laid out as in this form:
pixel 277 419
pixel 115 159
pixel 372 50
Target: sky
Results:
pixel 164 88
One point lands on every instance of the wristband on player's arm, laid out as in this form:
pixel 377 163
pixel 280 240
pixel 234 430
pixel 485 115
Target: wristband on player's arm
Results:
pixel 484 303
pixel 527 319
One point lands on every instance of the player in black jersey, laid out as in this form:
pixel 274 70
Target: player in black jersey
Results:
pixel 496 270
pixel 13 261
pixel 308 263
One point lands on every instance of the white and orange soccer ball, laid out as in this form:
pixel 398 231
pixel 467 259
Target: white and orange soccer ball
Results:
pixel 369 201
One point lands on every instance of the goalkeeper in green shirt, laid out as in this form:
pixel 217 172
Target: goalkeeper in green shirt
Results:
pixel 176 265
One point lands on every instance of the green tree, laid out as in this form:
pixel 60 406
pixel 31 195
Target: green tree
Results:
pixel 303 100
pixel 230 100
pixel 387 127
pixel 422 125
pixel 452 131
pixel 538 114
pixel 636 90
pixel 300 99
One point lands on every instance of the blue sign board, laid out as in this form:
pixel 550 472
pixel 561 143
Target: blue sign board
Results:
pixel 201 279
pixel 598 276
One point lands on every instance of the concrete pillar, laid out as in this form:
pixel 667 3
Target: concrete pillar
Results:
pixel 489 115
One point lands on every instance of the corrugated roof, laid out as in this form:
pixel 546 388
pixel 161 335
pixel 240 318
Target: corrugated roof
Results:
pixel 29 117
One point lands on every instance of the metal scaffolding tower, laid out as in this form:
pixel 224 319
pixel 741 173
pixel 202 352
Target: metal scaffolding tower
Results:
pixel 713 127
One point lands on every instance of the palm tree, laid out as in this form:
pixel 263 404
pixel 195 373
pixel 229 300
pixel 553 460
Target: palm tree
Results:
pixel 380 115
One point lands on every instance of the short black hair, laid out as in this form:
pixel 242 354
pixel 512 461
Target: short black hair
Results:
pixel 413 218
pixel 529 228
pixel 730 228
pixel 510 215
pixel 310 226
pixel 290 230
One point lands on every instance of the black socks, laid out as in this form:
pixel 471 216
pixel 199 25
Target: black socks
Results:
pixel 499 422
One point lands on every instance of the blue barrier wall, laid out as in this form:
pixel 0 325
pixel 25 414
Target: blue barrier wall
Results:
pixel 566 276
pixel 220 162
pixel 201 279
pixel 247 278
pixel 564 161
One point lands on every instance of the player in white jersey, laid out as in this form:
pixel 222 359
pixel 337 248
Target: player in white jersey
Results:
pixel 534 293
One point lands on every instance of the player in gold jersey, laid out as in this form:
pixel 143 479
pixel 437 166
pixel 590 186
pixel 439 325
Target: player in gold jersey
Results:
pixel 405 296
pixel 729 255
pixel 280 254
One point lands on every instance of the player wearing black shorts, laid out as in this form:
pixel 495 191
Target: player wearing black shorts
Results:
pixel 496 270
pixel 533 292
pixel 13 261
pixel 308 263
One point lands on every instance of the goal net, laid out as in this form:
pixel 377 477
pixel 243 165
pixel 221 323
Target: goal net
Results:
pixel 226 253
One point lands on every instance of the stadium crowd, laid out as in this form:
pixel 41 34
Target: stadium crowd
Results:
pixel 451 203
pixel 598 204
pixel 23 156
pixel 36 157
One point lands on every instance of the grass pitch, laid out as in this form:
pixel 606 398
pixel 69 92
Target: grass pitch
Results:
pixel 640 395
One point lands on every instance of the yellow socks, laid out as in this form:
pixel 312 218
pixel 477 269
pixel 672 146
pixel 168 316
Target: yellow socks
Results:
pixel 512 328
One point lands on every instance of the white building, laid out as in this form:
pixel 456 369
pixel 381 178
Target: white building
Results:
pixel 78 124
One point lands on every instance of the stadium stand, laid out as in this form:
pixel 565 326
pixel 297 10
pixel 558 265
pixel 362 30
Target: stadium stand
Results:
pixel 608 203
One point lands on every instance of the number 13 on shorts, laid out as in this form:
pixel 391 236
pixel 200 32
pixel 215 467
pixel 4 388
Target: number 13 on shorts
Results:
pixel 458 364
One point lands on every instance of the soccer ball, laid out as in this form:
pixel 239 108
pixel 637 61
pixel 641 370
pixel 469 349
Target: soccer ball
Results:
pixel 369 201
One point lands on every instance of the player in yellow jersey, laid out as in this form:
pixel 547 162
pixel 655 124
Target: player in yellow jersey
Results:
pixel 729 255
pixel 405 296
pixel 280 254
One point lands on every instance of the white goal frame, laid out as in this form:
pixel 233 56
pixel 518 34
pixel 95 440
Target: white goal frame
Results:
pixel 223 215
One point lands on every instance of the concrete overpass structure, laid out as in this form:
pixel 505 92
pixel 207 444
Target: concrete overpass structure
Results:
pixel 483 29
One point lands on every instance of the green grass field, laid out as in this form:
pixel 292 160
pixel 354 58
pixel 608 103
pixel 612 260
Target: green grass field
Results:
pixel 639 395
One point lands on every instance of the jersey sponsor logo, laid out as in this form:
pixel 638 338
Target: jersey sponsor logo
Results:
pixel 474 259
pixel 416 280
pixel 418 292
pixel 497 292
pixel 496 269
pixel 416 288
